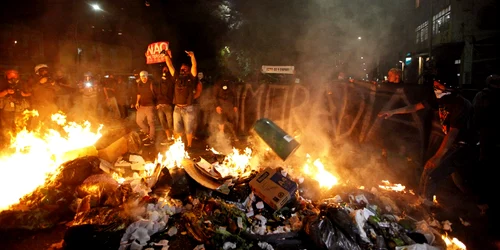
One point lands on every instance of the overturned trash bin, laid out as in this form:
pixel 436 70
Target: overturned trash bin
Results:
pixel 276 138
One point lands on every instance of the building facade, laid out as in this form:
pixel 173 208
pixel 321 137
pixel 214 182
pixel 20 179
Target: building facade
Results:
pixel 456 39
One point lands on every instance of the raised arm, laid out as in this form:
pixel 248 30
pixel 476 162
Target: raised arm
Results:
pixel 194 69
pixel 168 60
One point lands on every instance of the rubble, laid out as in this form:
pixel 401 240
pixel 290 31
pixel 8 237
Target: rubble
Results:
pixel 267 209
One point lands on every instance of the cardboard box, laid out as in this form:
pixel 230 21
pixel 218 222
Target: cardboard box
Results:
pixel 273 188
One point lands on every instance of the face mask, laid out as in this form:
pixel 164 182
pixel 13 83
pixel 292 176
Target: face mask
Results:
pixel 439 93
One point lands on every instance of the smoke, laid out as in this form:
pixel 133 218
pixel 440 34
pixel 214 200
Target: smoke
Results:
pixel 322 38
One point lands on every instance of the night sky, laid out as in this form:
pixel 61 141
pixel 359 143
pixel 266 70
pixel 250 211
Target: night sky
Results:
pixel 312 35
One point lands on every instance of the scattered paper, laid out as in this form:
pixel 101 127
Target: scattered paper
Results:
pixel 136 159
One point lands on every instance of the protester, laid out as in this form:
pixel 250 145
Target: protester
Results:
pixel 226 107
pixel 184 93
pixel 164 95
pixel 109 89
pixel 145 105
pixel 88 89
pixel 395 76
pixel 13 101
pixel 122 95
pixel 453 152
pixel 64 91
pixel 44 93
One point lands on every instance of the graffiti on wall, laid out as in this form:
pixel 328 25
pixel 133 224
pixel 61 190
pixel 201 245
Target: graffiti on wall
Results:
pixel 345 110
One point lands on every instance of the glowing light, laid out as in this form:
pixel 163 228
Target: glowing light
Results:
pixel 174 155
pixel 15 42
pixel 96 7
pixel 359 38
pixel 434 200
pixel 326 179
pixel 36 156
pixel 453 244
pixel 392 187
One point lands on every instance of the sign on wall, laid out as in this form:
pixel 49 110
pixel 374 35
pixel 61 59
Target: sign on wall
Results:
pixel 153 53
pixel 266 69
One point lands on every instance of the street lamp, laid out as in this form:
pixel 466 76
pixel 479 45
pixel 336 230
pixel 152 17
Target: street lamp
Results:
pixel 96 7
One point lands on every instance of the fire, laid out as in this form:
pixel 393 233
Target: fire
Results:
pixel 434 200
pixel 235 163
pixel 326 179
pixel 174 155
pixel 392 187
pixel 37 156
pixel 453 244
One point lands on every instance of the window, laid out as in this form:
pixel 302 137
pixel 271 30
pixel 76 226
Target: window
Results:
pixel 422 32
pixel 441 20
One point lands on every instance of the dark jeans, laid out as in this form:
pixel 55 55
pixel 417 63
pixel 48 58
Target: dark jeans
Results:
pixel 457 162
pixel 166 116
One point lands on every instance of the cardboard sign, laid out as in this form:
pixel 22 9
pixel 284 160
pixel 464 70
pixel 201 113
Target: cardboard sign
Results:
pixel 266 69
pixel 153 53
pixel 273 188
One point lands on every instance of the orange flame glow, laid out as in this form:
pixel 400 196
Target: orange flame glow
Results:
pixel 392 187
pixel 174 155
pixel 453 244
pixel 326 179
pixel 236 163
pixel 37 156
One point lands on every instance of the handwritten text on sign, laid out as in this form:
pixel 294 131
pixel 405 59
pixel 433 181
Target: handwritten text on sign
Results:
pixel 153 53
pixel 266 69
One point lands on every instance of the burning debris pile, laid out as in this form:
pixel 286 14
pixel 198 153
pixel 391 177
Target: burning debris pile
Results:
pixel 217 201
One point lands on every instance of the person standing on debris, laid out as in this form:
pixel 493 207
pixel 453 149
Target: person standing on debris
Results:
pixel 44 93
pixel 184 94
pixel 13 101
pixel 226 107
pixel 164 95
pixel 453 114
pixel 486 105
pixel 145 105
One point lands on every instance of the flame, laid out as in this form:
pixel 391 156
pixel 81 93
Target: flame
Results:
pixel 235 163
pixel 434 200
pixel 453 244
pixel 173 156
pixel 326 179
pixel 36 156
pixel 214 151
pixel 392 187
pixel 118 178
